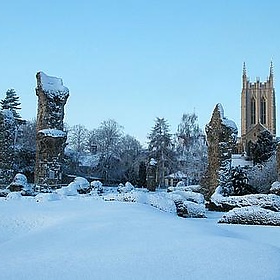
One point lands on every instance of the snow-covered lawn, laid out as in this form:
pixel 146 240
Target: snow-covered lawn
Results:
pixel 87 238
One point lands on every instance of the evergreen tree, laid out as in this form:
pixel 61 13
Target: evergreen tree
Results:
pixel 263 149
pixel 25 149
pixel 142 182
pixel 240 183
pixel 7 145
pixel 161 148
pixel 12 103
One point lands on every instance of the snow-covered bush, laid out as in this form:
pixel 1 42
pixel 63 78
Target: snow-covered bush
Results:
pixel 188 196
pixel 261 176
pixel 251 215
pixel 42 197
pixel 79 185
pixel 69 190
pixel 275 188
pixel 82 184
pixel 20 183
pixel 222 203
pixel 4 192
pixel 182 187
pixel 128 187
pixel 97 186
pixel 14 196
pixel 159 200
pixel 188 204
pixel 188 209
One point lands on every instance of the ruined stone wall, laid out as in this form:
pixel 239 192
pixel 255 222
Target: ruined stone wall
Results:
pixel 151 175
pixel 278 161
pixel 51 139
pixel 221 140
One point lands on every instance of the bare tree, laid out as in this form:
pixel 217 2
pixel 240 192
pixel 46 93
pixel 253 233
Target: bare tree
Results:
pixel 77 138
pixel 108 137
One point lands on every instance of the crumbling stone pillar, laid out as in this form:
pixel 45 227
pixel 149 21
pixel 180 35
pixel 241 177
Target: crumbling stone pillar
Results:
pixel 51 138
pixel 221 139
pixel 152 175
pixel 278 161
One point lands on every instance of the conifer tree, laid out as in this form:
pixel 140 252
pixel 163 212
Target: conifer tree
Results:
pixel 11 102
pixel 264 147
pixel 160 147
pixel 7 152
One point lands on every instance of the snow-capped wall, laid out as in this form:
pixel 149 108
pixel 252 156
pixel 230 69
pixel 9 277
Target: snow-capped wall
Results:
pixel 51 85
pixel 52 132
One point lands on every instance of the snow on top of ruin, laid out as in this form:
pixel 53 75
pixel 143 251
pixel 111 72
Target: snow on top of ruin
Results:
pixel 56 133
pixel 225 121
pixel 221 110
pixel 50 84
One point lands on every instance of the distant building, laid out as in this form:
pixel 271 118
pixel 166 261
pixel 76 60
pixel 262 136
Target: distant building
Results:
pixel 172 179
pixel 258 108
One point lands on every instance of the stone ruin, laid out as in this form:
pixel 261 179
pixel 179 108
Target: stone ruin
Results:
pixel 221 139
pixel 51 137
pixel 151 175
pixel 278 161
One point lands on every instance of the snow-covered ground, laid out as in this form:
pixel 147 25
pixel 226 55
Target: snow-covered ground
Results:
pixel 88 238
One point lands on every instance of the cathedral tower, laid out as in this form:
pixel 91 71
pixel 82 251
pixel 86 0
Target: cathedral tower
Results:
pixel 258 109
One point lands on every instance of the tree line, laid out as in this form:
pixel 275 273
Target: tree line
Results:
pixel 106 152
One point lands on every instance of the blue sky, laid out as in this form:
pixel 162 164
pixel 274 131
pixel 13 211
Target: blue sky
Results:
pixel 133 61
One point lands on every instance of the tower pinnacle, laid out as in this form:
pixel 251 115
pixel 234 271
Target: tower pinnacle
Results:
pixel 271 68
pixel 244 69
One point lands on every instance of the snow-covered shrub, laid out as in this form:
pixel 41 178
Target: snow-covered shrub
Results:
pixel 128 187
pixel 181 187
pixel 222 203
pixel 42 197
pixel 97 186
pixel 79 185
pixel 70 190
pixel 188 209
pixel 251 215
pixel 20 183
pixel 4 192
pixel 261 176
pixel 275 188
pixel 14 196
pixel 161 201
pixel 188 196
pixel 82 184
pixel 188 203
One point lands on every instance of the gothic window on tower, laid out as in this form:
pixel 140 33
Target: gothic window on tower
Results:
pixel 253 111
pixel 263 110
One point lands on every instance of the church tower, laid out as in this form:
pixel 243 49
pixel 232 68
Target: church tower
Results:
pixel 258 109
